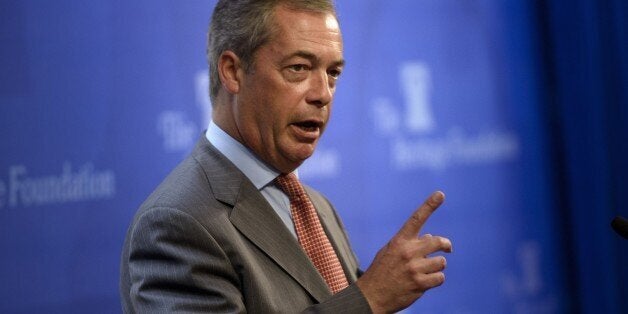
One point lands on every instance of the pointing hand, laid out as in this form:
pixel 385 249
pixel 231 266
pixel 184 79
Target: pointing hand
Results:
pixel 402 271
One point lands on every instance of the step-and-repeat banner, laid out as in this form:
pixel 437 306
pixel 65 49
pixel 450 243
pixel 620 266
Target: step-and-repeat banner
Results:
pixel 101 99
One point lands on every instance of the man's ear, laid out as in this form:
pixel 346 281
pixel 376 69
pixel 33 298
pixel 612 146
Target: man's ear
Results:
pixel 229 70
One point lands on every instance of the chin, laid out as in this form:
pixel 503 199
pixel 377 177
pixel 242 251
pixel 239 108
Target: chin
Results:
pixel 303 156
pixel 293 164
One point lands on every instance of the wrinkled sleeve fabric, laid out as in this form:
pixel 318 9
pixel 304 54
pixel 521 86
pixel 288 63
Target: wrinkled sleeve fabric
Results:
pixel 175 265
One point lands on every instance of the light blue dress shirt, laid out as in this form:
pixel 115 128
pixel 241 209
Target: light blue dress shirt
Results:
pixel 253 168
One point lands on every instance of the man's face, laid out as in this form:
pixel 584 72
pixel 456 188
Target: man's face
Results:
pixel 284 101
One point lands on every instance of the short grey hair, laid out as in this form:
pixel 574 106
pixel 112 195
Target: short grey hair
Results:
pixel 242 26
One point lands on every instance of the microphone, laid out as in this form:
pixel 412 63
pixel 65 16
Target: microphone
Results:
pixel 620 225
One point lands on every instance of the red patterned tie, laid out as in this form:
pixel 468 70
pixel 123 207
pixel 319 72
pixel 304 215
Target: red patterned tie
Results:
pixel 311 234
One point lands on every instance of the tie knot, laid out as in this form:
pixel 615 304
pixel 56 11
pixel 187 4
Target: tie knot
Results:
pixel 290 185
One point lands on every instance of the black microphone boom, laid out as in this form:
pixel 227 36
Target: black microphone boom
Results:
pixel 620 225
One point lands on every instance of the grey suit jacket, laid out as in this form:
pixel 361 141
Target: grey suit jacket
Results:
pixel 207 241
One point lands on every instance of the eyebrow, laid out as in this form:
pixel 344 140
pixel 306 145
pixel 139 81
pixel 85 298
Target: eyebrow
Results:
pixel 310 56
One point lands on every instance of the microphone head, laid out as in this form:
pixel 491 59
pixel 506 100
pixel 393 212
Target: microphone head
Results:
pixel 620 225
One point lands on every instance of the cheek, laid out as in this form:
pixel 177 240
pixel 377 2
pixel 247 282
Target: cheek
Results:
pixel 270 123
pixel 327 110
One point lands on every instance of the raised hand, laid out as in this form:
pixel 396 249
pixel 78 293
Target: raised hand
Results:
pixel 402 271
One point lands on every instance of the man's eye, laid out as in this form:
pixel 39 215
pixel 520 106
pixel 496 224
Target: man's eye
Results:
pixel 334 73
pixel 298 67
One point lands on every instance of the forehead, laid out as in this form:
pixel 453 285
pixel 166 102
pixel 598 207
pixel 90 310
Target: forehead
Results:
pixel 306 28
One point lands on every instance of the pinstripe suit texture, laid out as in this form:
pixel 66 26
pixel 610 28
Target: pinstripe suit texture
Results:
pixel 206 241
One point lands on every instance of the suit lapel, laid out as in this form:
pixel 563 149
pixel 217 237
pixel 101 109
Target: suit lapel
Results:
pixel 264 228
pixel 257 220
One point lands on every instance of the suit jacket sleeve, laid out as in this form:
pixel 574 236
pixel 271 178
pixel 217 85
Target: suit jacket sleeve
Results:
pixel 175 265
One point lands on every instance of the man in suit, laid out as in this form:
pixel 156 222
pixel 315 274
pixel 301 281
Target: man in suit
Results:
pixel 225 231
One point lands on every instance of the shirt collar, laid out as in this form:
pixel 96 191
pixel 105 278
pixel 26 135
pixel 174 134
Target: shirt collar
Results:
pixel 253 168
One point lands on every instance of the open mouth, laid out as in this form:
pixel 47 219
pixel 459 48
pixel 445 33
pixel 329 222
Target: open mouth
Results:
pixel 308 126
pixel 308 130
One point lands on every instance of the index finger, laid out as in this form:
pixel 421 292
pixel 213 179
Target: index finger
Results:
pixel 413 225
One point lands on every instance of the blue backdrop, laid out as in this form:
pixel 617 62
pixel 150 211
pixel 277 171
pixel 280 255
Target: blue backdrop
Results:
pixel 518 110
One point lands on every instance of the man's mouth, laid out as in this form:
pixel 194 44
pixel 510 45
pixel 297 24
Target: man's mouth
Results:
pixel 309 126
pixel 308 130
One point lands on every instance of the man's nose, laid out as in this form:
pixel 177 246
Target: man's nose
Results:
pixel 321 91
